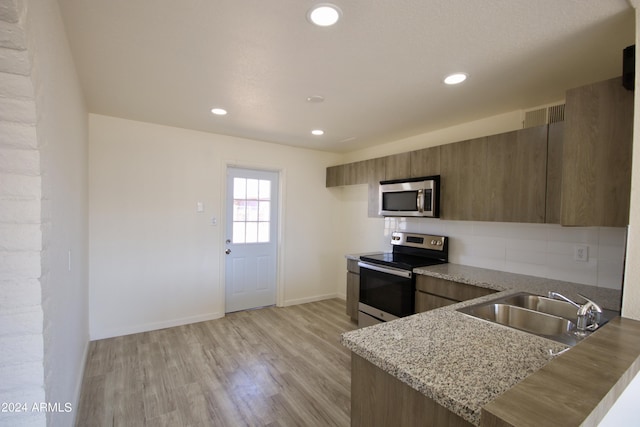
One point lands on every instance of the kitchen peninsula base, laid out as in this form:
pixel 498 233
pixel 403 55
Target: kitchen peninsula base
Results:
pixel 379 399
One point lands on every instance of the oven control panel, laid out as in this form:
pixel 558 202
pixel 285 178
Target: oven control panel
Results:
pixel 423 241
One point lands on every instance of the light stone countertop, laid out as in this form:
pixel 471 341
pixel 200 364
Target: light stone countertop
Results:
pixel 459 361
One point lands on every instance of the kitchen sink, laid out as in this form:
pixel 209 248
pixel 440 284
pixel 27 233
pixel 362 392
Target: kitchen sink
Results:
pixel 521 318
pixel 542 316
pixel 543 304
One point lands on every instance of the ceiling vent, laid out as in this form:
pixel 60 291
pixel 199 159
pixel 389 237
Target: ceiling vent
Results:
pixel 543 116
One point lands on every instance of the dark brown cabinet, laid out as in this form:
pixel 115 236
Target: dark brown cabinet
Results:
pixel 596 168
pixel 433 292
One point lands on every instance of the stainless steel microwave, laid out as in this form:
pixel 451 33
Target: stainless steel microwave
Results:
pixel 410 197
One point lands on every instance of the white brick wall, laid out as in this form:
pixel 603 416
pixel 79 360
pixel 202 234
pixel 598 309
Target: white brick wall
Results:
pixel 21 239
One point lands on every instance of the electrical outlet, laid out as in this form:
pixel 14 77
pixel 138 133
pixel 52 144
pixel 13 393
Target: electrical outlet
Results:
pixel 581 253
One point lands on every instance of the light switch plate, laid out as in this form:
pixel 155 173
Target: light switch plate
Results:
pixel 581 253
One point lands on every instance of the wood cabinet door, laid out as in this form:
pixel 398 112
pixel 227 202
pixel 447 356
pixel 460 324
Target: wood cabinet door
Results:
pixel 449 289
pixel 426 302
pixel 375 173
pixel 398 166
pixel 596 170
pixel 555 140
pixel 516 181
pixel 463 180
pixel 335 176
pixel 353 295
pixel 425 162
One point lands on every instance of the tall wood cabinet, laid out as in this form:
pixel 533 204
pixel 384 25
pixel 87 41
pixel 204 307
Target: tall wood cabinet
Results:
pixel 596 171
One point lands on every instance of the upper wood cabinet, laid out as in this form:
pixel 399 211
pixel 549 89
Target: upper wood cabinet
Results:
pixel 496 178
pixel 425 162
pixel 517 169
pixel 335 176
pixel 596 170
pixel 463 180
pixel 375 173
pixel 398 166
pixel 555 140
pixel 575 173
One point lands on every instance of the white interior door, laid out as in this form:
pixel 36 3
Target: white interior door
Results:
pixel 251 242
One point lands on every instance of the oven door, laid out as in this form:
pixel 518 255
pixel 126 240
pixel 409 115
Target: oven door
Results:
pixel 391 290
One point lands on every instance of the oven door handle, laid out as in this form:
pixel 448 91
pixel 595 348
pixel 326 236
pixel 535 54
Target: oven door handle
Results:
pixel 389 270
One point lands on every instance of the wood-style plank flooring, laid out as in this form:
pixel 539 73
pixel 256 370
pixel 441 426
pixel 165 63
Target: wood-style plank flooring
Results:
pixel 266 367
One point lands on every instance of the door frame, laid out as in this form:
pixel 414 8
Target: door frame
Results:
pixel 223 227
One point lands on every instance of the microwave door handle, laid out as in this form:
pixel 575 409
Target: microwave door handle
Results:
pixel 420 201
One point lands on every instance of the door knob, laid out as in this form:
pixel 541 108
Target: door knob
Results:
pixel 228 251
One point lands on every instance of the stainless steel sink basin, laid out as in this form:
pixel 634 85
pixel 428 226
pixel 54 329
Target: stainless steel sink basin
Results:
pixel 542 316
pixel 544 305
pixel 521 318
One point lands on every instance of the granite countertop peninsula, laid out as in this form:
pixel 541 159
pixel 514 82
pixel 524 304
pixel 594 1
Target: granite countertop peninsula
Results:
pixel 459 361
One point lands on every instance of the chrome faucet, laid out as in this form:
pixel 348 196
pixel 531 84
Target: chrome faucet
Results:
pixel 588 314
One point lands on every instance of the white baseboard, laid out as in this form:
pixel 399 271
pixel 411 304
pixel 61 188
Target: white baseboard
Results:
pixel 309 299
pixel 80 377
pixel 153 326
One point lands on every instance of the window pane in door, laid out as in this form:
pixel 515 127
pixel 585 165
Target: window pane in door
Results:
pixel 251 232
pixel 263 232
pixel 252 210
pixel 252 189
pixel 238 232
pixel 239 210
pixel 265 190
pixel 264 211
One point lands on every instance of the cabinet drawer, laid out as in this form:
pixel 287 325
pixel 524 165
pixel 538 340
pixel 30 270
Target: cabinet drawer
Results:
pixel 449 289
pixel 426 302
pixel 352 266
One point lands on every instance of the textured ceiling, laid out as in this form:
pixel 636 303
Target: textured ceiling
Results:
pixel 379 69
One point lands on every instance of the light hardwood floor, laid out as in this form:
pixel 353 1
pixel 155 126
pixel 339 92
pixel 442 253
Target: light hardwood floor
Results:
pixel 265 367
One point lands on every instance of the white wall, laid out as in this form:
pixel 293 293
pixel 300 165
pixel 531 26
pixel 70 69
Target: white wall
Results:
pixel 154 261
pixel 21 332
pixel 44 216
pixel 63 139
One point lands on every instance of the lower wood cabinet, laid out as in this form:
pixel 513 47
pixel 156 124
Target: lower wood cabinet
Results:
pixel 353 289
pixel 433 292
pixel 379 399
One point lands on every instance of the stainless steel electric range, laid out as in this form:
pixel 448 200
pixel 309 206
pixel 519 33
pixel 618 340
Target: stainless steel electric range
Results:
pixel 387 282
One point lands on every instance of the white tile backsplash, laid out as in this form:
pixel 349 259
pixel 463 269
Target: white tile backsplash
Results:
pixel 544 250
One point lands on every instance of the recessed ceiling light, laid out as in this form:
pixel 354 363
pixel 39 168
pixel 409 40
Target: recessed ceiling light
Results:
pixel 324 14
pixel 455 78
pixel 317 132
pixel 219 111
pixel 315 99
